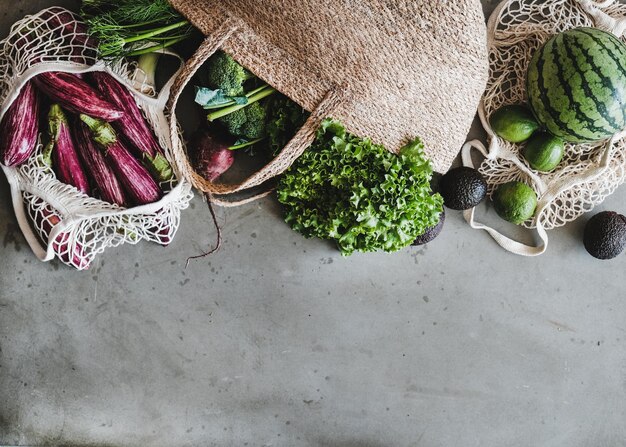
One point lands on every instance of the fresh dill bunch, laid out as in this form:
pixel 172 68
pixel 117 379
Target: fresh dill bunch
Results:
pixel 134 27
pixel 127 12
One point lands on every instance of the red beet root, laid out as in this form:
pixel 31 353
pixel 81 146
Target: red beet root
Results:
pixel 211 154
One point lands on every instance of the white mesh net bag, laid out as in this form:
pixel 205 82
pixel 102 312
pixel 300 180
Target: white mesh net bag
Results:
pixel 589 172
pixel 56 218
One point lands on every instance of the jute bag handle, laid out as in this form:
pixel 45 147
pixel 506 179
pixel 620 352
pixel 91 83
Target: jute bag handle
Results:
pixel 294 148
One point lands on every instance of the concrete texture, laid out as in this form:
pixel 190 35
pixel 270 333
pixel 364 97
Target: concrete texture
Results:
pixel 278 341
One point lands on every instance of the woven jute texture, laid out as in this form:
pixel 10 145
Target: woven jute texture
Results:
pixel 390 70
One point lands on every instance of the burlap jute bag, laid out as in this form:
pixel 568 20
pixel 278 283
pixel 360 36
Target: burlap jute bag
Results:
pixel 390 70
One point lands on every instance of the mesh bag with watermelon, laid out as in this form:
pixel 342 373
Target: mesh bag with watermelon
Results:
pixel 589 172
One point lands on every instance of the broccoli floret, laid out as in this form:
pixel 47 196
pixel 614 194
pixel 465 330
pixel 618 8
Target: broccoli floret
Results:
pixel 234 121
pixel 225 73
pixel 243 116
pixel 249 122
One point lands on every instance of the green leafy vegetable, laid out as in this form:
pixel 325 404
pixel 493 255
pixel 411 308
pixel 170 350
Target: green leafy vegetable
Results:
pixel 358 194
pixel 284 118
pixel 248 108
pixel 216 99
pixel 134 27
pixel 234 107
pixel 247 122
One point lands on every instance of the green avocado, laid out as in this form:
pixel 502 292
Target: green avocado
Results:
pixel 462 188
pixel 605 235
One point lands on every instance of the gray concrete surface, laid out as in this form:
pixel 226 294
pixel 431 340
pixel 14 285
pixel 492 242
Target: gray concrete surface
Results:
pixel 278 341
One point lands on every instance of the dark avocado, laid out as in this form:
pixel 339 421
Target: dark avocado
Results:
pixel 605 235
pixel 431 232
pixel 462 188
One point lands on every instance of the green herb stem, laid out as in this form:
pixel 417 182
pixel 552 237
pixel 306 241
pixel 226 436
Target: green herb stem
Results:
pixel 246 144
pixel 256 90
pixel 263 93
pixel 232 102
pixel 167 43
pixel 156 32
pixel 138 25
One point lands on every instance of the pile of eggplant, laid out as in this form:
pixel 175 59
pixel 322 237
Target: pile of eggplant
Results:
pixel 98 139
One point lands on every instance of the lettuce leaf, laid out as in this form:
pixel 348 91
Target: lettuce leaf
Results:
pixel 284 119
pixel 350 190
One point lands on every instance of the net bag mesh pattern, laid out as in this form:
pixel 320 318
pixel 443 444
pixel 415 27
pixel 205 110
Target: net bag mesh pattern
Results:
pixel 57 219
pixel 588 173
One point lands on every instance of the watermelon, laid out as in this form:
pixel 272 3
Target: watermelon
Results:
pixel 576 85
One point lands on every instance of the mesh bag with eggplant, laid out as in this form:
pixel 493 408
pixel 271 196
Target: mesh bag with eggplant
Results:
pixel 119 162
pixel 85 155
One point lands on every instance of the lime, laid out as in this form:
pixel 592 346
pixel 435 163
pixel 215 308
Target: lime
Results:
pixel 544 151
pixel 514 123
pixel 515 202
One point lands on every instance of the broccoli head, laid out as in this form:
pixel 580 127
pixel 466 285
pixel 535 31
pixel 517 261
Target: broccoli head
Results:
pixel 225 73
pixel 248 122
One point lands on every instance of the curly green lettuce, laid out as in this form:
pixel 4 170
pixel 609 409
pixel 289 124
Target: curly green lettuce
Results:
pixel 284 119
pixel 350 190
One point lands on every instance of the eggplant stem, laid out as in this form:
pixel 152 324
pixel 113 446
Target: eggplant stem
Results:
pixel 218 242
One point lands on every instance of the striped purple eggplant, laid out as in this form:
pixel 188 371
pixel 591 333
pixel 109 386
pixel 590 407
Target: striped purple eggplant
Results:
pixel 20 127
pixel 102 175
pixel 76 95
pixel 74 254
pixel 133 127
pixel 140 187
pixel 65 161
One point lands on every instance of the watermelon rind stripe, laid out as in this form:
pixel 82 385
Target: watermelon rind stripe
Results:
pixel 532 80
pixel 607 83
pixel 536 95
pixel 591 97
pixel 554 124
pixel 618 52
pixel 562 61
pixel 594 109
pixel 602 40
